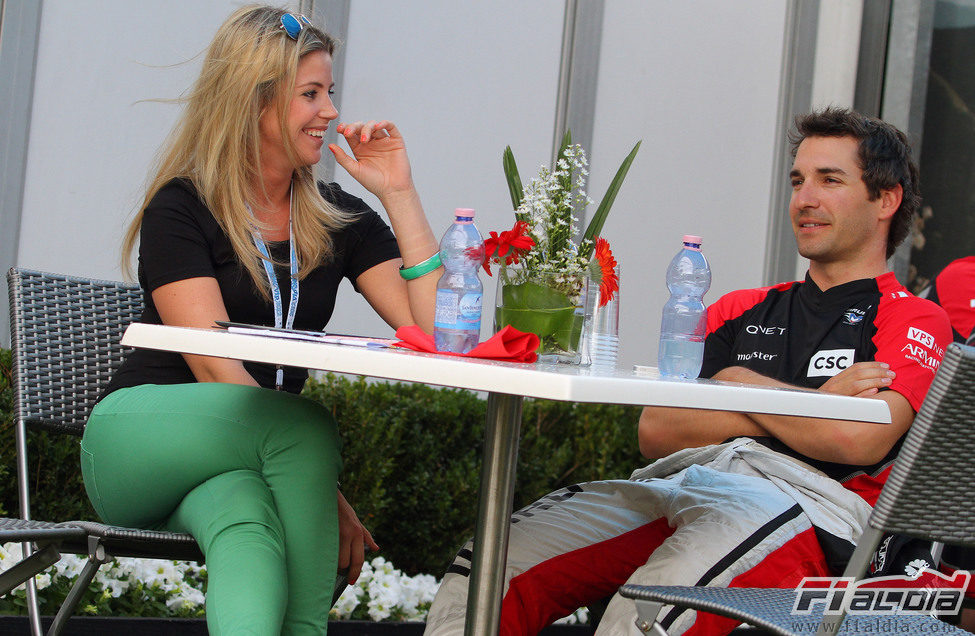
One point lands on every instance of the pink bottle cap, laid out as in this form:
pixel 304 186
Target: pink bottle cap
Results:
pixel 468 212
pixel 688 238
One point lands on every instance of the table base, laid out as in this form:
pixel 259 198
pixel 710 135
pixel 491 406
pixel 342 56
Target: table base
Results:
pixel 502 428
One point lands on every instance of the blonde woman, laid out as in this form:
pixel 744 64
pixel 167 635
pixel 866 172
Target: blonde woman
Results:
pixel 235 227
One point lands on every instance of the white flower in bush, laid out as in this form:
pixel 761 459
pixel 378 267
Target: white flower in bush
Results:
pixel 381 593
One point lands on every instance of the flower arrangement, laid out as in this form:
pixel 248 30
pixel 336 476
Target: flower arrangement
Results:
pixel 542 269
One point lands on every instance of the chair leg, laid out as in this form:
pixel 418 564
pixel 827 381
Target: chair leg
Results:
pixel 646 617
pixel 23 493
pixel 27 568
pixel 341 582
pixel 34 609
pixel 96 557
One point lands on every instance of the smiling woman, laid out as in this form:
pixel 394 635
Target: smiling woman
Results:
pixel 307 117
pixel 235 226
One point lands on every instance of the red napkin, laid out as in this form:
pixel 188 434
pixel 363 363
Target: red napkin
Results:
pixel 509 344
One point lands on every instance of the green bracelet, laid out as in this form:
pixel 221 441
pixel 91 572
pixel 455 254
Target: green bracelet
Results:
pixel 421 268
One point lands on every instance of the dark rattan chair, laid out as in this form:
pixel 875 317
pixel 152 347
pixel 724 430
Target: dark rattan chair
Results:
pixel 65 333
pixel 928 495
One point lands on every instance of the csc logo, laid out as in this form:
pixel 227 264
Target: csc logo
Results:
pixel 829 362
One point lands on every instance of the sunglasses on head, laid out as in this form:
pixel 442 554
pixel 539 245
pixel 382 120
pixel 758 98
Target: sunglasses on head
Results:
pixel 293 24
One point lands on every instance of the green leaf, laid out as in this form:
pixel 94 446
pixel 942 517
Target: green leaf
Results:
pixel 515 189
pixel 566 142
pixel 534 296
pixel 599 218
pixel 595 272
pixel 538 309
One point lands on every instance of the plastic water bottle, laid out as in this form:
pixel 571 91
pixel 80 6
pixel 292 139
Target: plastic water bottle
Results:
pixel 684 322
pixel 457 322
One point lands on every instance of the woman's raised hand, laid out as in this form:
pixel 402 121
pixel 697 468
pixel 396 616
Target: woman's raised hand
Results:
pixel 379 160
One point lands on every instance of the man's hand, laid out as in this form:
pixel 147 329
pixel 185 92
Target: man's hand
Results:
pixel 862 379
pixel 353 540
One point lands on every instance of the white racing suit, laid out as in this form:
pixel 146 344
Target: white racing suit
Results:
pixel 734 514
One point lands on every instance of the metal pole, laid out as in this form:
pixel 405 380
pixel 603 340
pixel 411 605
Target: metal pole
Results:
pixel 486 584
pixel 33 605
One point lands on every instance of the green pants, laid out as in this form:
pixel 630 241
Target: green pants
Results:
pixel 250 473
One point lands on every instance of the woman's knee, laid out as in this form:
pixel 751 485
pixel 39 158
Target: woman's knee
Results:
pixel 310 429
pixel 237 502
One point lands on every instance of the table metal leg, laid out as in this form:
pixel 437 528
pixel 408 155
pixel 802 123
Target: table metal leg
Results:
pixel 500 463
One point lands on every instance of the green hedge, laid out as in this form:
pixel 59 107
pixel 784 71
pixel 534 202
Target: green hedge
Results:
pixel 411 460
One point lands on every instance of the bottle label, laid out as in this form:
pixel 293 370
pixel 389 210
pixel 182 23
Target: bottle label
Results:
pixel 470 310
pixel 458 312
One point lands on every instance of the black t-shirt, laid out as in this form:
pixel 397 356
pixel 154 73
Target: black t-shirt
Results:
pixel 180 239
pixel 798 334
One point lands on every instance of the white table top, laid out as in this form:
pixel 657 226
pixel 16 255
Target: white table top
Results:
pixel 555 382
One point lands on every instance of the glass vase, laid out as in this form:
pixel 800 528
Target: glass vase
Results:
pixel 600 339
pixel 550 305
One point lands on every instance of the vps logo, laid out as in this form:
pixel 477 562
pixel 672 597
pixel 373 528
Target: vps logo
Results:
pixel 829 362
pixel 919 335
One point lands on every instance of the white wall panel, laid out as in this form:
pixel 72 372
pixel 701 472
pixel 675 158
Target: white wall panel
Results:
pixel 461 80
pixel 698 82
pixel 92 139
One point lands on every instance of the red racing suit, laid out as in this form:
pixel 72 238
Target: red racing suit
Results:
pixel 748 512
pixel 954 289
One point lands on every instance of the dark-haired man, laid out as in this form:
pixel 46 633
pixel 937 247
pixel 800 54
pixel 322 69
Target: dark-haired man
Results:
pixel 742 499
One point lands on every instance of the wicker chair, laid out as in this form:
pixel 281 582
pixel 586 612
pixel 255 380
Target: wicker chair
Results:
pixel 927 495
pixel 64 334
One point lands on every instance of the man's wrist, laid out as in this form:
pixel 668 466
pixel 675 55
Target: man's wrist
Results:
pixel 734 374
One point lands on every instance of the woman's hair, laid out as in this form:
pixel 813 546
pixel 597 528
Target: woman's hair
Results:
pixel 249 67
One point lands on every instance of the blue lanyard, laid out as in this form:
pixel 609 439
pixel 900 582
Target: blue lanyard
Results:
pixel 272 280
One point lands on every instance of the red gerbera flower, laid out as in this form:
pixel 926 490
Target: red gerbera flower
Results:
pixel 610 283
pixel 510 245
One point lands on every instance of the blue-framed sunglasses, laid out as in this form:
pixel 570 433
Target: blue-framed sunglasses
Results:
pixel 293 24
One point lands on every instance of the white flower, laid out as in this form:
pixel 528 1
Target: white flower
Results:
pixel 384 590
pixel 70 566
pixel 188 598
pixel 10 555
pixel 42 580
pixel 348 601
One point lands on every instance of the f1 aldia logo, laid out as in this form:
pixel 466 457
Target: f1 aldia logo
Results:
pixel 928 592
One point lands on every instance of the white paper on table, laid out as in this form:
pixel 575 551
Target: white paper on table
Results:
pixel 298 334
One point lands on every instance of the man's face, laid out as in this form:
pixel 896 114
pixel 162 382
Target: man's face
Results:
pixel 833 218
